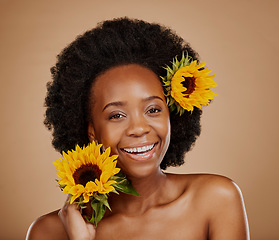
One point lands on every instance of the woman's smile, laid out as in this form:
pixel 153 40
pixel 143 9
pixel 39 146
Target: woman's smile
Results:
pixel 139 150
pixel 143 153
pixel 130 115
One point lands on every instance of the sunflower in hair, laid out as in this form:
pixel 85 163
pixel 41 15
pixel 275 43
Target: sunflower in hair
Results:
pixel 187 85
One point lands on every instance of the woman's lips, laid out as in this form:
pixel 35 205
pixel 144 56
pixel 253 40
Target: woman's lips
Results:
pixel 143 153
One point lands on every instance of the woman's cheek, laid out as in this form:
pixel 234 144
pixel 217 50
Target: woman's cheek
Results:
pixel 111 137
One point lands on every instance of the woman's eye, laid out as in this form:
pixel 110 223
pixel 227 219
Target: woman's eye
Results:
pixel 116 116
pixel 154 110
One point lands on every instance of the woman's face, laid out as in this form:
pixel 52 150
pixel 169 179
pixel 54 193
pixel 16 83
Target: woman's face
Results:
pixel 130 115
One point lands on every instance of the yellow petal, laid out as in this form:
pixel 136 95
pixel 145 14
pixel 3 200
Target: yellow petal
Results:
pixel 86 197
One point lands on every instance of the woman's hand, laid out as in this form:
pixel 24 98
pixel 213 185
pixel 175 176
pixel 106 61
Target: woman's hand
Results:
pixel 75 225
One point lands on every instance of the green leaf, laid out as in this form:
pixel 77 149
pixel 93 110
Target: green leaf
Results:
pixel 172 101
pixel 83 206
pixel 103 198
pixel 183 57
pixel 124 185
pixel 170 70
pixel 172 107
pixel 98 213
pixel 114 191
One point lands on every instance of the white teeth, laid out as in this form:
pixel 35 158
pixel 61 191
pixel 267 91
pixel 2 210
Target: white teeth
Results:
pixel 139 149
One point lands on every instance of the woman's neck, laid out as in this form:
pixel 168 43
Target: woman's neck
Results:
pixel 150 189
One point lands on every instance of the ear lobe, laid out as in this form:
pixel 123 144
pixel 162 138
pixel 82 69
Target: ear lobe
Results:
pixel 91 133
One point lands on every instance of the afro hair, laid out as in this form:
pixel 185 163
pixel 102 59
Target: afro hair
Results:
pixel 112 43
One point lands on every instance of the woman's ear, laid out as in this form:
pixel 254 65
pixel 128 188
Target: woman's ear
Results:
pixel 91 132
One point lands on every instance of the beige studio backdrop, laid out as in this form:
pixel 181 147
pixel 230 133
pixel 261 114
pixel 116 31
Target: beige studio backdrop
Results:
pixel 238 40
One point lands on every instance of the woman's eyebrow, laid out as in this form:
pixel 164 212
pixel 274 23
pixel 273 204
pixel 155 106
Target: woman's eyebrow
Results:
pixel 152 97
pixel 119 103
pixel 114 104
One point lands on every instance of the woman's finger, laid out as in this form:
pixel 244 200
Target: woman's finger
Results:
pixel 74 223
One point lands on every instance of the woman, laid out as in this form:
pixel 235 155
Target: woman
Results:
pixel 107 88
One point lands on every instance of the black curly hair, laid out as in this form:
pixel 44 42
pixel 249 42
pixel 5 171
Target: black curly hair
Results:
pixel 112 43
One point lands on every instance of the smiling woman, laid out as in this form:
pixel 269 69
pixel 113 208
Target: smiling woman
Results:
pixel 131 117
pixel 112 86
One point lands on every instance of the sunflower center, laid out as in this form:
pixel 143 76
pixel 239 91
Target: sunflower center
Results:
pixel 86 173
pixel 189 83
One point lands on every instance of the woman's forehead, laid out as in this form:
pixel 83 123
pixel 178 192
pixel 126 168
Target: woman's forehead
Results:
pixel 127 81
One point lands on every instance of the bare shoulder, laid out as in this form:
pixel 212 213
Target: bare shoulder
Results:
pixel 220 201
pixel 208 185
pixel 215 186
pixel 210 193
pixel 48 226
pixel 218 191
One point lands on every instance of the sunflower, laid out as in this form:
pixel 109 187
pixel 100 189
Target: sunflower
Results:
pixel 88 175
pixel 85 171
pixel 187 85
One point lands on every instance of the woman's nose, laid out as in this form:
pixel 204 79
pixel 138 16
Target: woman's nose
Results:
pixel 137 126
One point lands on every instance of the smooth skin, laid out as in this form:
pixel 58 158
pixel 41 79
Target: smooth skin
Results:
pixel 130 111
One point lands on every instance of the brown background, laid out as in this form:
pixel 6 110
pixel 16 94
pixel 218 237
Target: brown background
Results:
pixel 237 39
